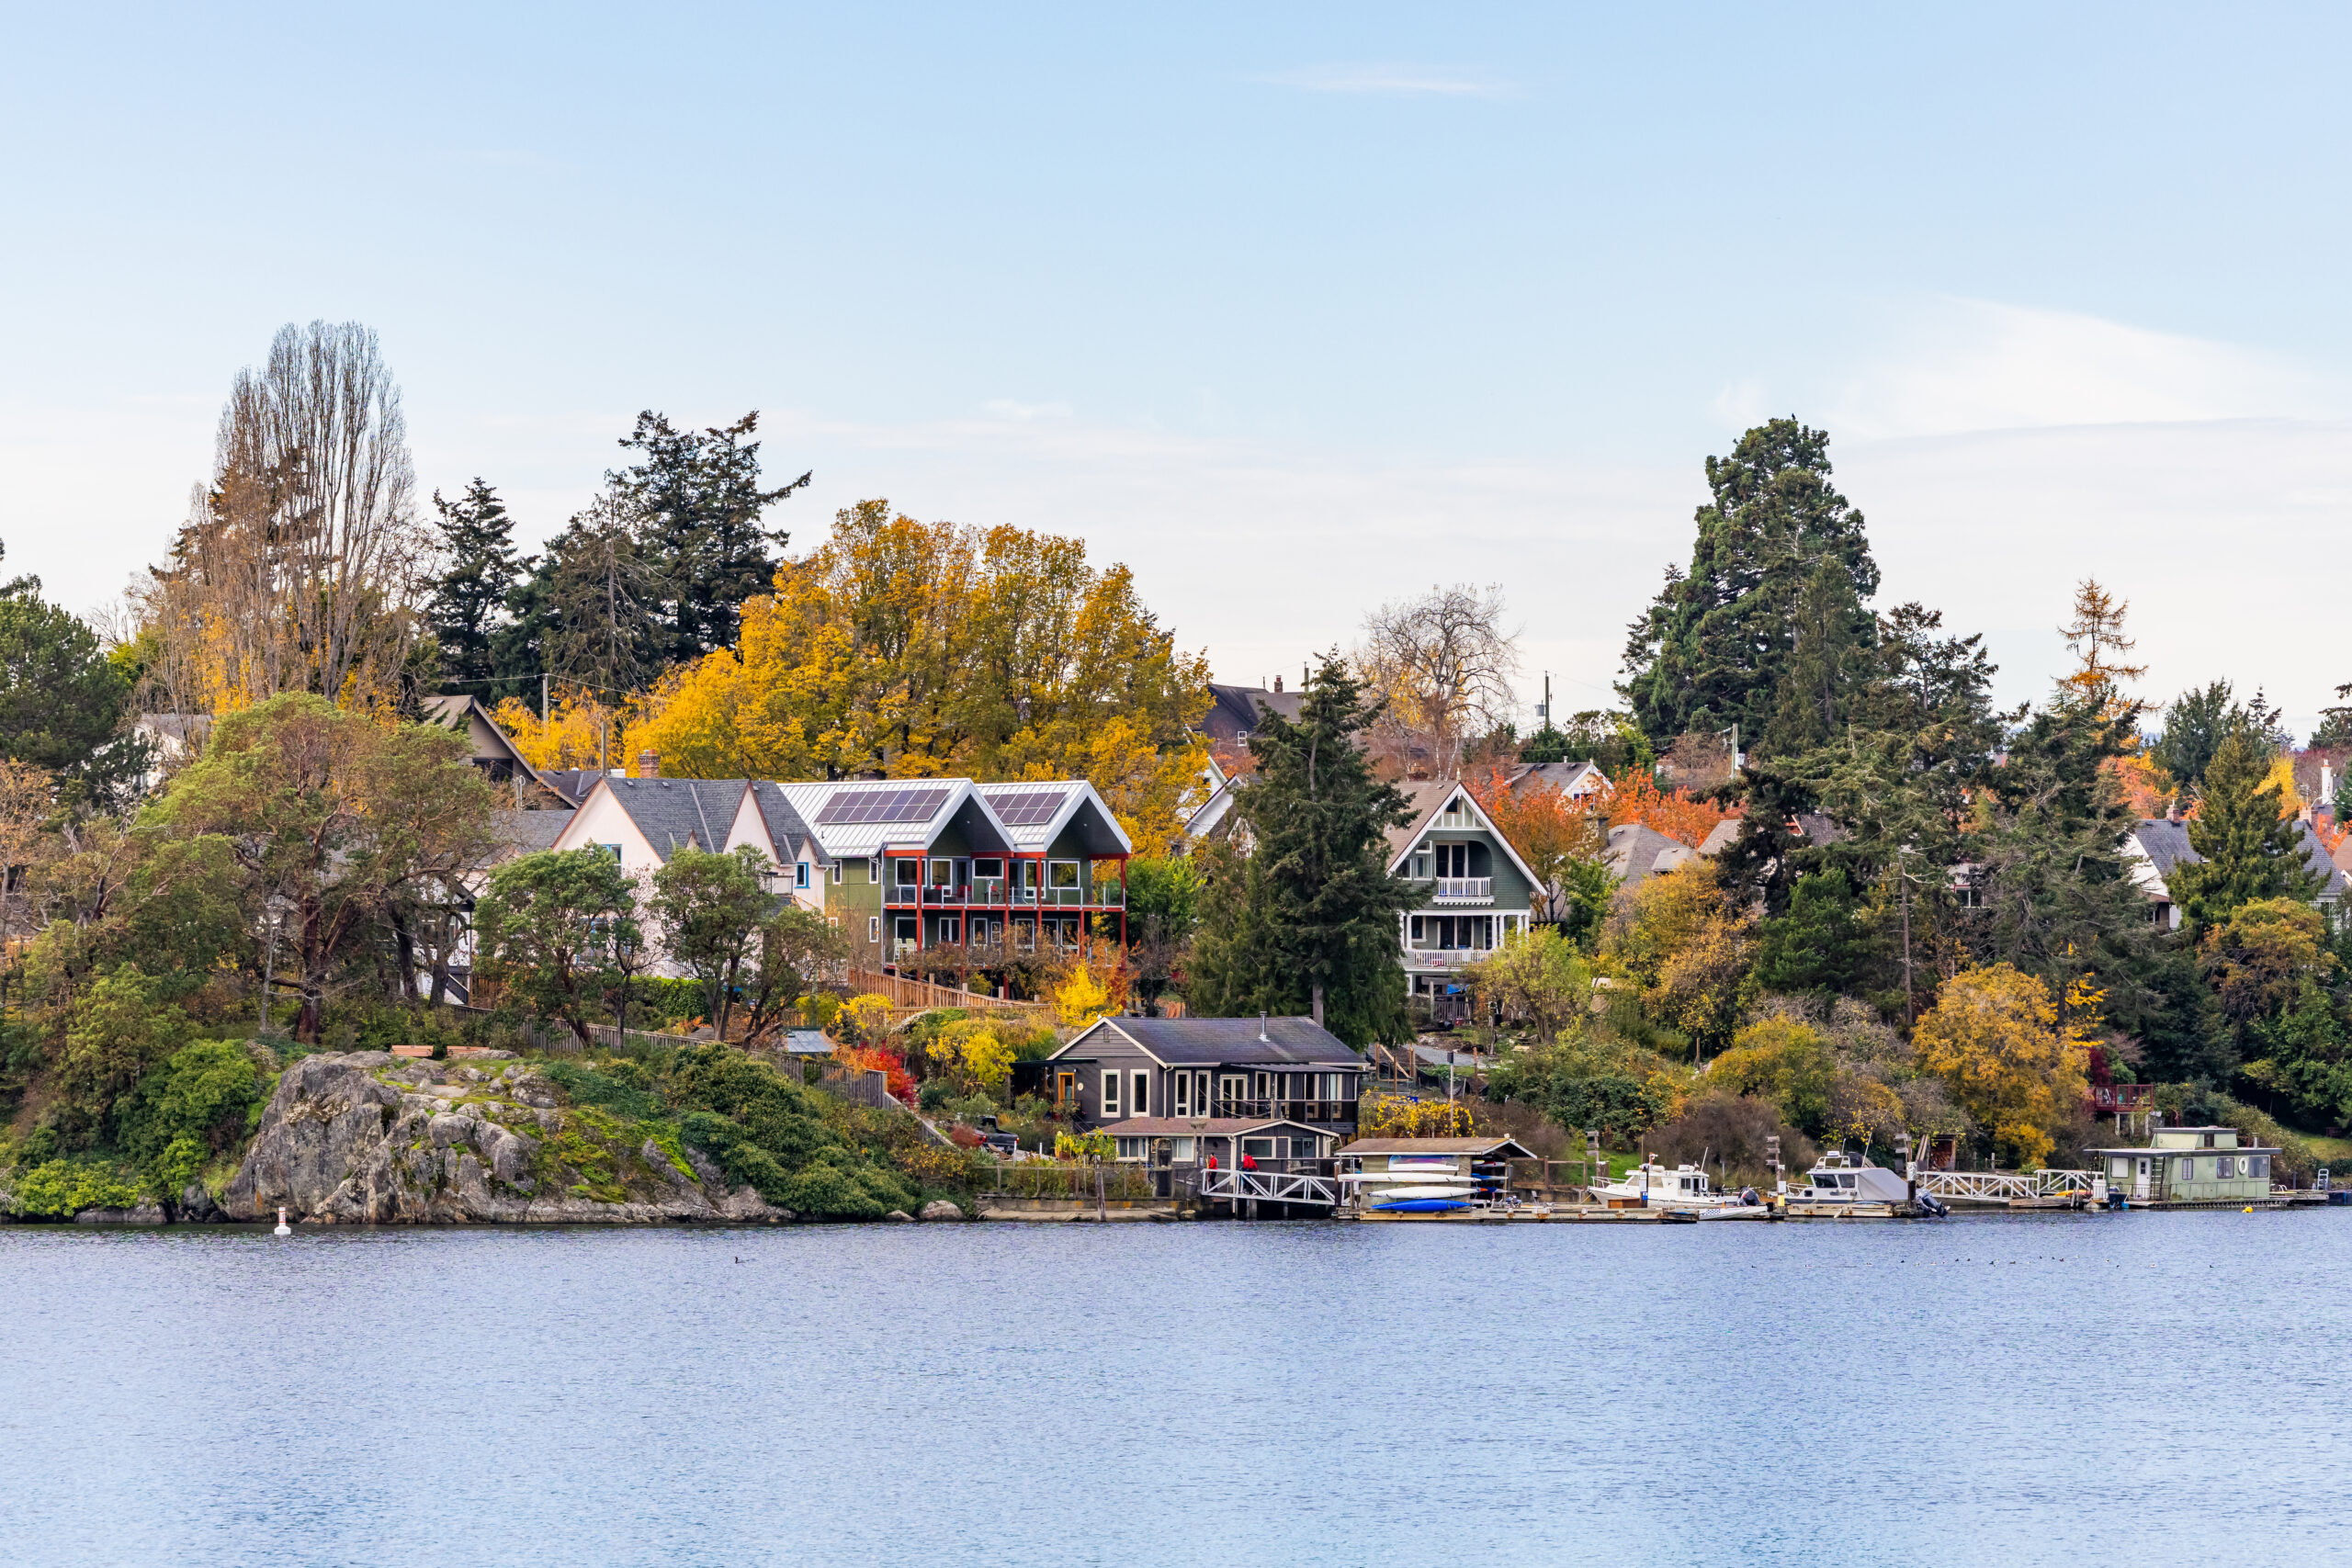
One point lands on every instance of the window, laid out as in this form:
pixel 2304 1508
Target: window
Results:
pixel 1061 874
pixel 1131 1148
pixel 1200 1094
pixel 1417 931
pixel 1258 1149
pixel 800 874
pixel 837 874
pixel 1184 1087
pixel 873 872
pixel 874 928
pixel 1182 1152
pixel 908 928
pixel 1261 1089
pixel 1110 1092
pixel 612 850
pixel 2257 1164
pixel 1024 936
pixel 1139 1103
pixel 1232 1086
pixel 910 874
pixel 2225 1168
pixel 2187 1171
pixel 950 929
pixel 992 870
pixel 943 873
pixel 1454 860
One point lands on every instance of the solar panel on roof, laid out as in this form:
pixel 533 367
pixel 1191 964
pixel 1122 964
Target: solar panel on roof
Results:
pixel 850 807
pixel 1025 808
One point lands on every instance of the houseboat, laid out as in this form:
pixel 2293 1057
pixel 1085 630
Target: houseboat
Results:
pixel 2187 1167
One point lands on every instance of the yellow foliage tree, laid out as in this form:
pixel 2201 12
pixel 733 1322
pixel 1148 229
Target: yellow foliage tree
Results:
pixel 862 1021
pixel 915 650
pixel 1686 942
pixel 581 731
pixel 1993 1037
pixel 974 1052
pixel 1082 998
pixel 1390 1116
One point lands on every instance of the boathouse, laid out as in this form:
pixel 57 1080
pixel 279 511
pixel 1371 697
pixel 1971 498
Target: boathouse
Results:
pixel 1288 1081
pixel 2188 1165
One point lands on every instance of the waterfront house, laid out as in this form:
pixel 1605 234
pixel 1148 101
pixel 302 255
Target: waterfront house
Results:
pixel 2188 1165
pixel 1288 1083
pixel 1475 890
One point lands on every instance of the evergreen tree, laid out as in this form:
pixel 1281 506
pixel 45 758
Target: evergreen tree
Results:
pixel 466 600
pixel 1311 915
pixel 1714 647
pixel 1828 663
pixel 697 494
pixel 1819 946
pixel 2194 724
pixel 2248 850
pixel 62 701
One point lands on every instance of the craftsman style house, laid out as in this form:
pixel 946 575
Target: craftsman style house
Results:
pixel 1183 1090
pixel 1476 890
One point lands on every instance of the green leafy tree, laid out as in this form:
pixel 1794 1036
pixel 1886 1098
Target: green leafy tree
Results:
pixel 1539 979
pixel 2248 849
pixel 334 824
pixel 63 700
pixel 708 908
pixel 793 952
pixel 198 1104
pixel 121 1028
pixel 1714 647
pixel 1163 911
pixel 1310 916
pixel 481 569
pixel 555 930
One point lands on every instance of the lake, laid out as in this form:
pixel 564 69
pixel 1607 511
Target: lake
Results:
pixel 2027 1389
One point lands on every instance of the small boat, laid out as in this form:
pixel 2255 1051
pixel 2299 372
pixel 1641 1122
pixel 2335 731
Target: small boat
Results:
pixel 1685 1187
pixel 1844 1185
pixel 1419 1206
pixel 1434 1189
pixel 1679 1217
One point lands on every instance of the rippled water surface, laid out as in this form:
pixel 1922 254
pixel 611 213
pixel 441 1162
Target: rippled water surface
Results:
pixel 2018 1390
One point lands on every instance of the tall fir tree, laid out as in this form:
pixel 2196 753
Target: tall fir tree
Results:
pixel 697 495
pixel 1309 918
pixel 1713 648
pixel 481 570
pixel 2247 849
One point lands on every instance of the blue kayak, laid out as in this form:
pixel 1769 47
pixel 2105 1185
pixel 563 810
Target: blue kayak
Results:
pixel 1420 1206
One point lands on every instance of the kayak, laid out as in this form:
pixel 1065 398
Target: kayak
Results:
pixel 1418 1206
pixel 1396 1192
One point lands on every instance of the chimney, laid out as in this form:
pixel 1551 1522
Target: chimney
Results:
pixel 1278 683
pixel 1262 1024
pixel 648 765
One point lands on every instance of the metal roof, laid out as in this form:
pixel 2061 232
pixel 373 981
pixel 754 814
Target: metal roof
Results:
pixel 827 809
pixel 1435 1146
pixel 1227 1042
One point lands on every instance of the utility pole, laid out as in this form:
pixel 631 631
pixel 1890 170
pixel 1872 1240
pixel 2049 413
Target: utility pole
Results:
pixel 1910 1004
pixel 543 699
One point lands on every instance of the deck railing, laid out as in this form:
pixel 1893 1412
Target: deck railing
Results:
pixel 1464 890
pixel 992 894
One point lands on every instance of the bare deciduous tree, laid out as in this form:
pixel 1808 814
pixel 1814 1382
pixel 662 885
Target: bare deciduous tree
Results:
pixel 1442 664
pixel 297 570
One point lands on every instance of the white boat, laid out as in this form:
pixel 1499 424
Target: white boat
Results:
pixel 1392 1194
pixel 1840 1178
pixel 1684 1187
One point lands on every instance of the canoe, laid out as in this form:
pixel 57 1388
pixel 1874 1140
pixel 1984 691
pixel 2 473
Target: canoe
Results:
pixel 1418 1206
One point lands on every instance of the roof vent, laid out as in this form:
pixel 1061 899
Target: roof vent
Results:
pixel 1262 1027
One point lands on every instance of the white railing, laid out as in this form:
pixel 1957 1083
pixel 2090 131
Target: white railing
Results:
pixel 2005 1186
pixel 1436 959
pixel 1273 1186
pixel 1464 890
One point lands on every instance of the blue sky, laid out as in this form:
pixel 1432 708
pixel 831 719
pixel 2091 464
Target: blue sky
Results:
pixel 1293 312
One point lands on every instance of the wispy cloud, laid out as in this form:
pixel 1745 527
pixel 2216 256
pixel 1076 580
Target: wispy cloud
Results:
pixel 1399 81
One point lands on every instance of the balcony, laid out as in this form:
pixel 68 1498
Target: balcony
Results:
pixel 1462 890
pixel 1279 1110
pixel 2122 1098
pixel 993 894
pixel 1440 960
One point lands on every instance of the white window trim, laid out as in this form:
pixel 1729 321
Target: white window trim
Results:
pixel 1140 1094
pixel 1110 1107
pixel 837 874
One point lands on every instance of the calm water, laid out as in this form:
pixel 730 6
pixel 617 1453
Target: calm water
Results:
pixel 2038 1389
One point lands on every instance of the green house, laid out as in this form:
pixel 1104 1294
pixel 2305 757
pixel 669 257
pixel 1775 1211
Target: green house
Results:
pixel 1475 892
pixel 2188 1165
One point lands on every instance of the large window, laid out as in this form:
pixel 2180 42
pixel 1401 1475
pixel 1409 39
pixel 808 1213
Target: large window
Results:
pixel 1139 1103
pixel 1183 1091
pixel 1110 1092
pixel 909 874
pixel 2257 1164
pixel 2187 1171
pixel 800 874
pixel 2226 1168
pixel 950 929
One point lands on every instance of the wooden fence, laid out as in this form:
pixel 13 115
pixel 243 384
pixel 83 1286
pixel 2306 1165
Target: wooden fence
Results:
pixel 906 991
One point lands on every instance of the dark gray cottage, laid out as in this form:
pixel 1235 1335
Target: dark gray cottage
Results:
pixel 1272 1088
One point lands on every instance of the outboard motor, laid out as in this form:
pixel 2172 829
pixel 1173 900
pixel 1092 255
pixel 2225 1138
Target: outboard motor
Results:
pixel 1934 1206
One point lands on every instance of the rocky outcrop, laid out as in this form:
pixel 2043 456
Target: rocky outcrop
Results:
pixel 939 1208
pixel 352 1139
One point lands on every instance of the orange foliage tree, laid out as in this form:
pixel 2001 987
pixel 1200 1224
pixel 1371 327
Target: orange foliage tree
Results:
pixel 1671 812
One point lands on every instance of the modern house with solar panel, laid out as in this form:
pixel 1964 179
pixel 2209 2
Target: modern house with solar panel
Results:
pixel 944 867
pixel 967 872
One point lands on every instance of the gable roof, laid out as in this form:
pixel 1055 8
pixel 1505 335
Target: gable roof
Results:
pixel 1437 1146
pixel 997 818
pixel 1035 814
pixel 2164 844
pixel 1576 778
pixel 786 832
pixel 675 814
pixel 1236 711
pixel 1200 1126
pixel 1224 1042
pixel 1637 853
pixel 1426 798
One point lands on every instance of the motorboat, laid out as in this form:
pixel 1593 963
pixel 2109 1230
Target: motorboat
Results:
pixel 1840 1178
pixel 1683 1187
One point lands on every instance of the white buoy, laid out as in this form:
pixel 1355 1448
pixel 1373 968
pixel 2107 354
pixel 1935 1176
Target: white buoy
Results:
pixel 283 1228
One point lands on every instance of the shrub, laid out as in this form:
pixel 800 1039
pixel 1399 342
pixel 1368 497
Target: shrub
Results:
pixel 618 1088
pixel 828 1191
pixel 205 1097
pixel 118 1031
pixel 1732 1129
pixel 67 1186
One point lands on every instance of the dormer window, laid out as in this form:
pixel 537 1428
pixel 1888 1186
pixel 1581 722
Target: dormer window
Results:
pixel 1455 814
